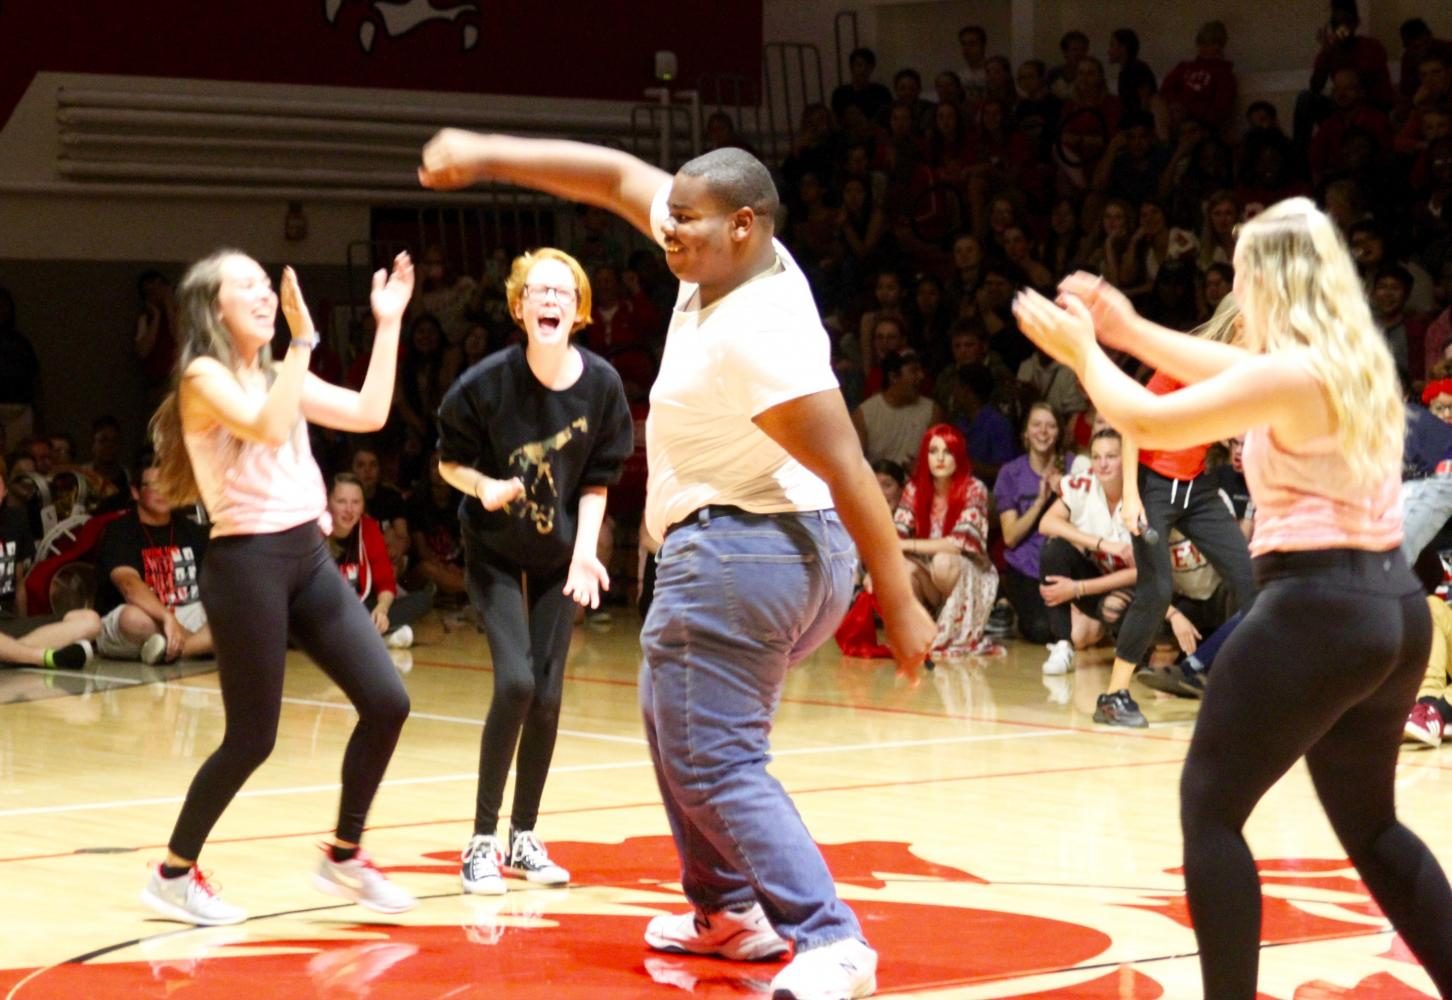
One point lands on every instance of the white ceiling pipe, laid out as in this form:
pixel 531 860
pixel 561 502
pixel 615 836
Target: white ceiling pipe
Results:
pixel 609 116
pixel 72 139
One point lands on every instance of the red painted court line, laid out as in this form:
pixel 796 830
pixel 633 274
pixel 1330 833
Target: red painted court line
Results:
pixel 866 786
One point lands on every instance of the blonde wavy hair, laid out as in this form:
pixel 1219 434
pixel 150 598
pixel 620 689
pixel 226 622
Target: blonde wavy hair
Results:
pixel 1224 325
pixel 1300 290
pixel 519 271
pixel 200 333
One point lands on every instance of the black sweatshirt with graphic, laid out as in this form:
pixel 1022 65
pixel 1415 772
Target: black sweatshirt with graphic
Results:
pixel 500 419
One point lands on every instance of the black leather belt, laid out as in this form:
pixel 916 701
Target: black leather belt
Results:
pixel 704 514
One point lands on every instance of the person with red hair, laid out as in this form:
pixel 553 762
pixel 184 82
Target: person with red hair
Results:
pixel 942 521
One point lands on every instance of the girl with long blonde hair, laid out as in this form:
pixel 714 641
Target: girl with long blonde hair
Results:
pixel 1327 662
pixel 233 432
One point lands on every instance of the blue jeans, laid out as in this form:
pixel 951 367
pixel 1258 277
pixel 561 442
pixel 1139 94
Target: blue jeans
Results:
pixel 1426 505
pixel 740 599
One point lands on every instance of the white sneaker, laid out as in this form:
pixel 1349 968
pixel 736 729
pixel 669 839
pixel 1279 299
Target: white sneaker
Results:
pixel 842 970
pixel 1061 657
pixel 479 870
pixel 742 935
pixel 359 880
pixel 529 860
pixel 153 649
pixel 190 899
pixel 400 638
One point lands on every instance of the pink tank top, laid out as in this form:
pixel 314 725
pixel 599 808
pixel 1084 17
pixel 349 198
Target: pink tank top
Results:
pixel 251 488
pixel 1305 499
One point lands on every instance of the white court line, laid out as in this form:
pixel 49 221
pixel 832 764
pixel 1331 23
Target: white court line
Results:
pixel 472 776
pixel 128 681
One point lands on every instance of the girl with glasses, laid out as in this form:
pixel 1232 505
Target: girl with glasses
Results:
pixel 532 436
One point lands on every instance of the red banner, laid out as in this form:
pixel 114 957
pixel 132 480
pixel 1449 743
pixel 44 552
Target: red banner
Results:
pixel 568 48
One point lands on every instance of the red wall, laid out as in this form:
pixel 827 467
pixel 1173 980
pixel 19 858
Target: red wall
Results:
pixel 561 48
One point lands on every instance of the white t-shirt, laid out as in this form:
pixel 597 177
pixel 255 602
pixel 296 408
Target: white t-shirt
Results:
pixel 1089 511
pixel 758 346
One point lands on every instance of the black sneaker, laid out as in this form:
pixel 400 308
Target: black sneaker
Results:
pixel 1000 620
pixel 74 656
pixel 1180 680
pixel 1117 708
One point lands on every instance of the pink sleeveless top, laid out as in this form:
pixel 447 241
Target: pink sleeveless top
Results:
pixel 251 488
pixel 1305 499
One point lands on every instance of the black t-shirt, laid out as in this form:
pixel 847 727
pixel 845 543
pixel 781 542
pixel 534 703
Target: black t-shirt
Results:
pixel 499 419
pixel 1233 485
pixel 17 547
pixel 385 505
pixel 167 556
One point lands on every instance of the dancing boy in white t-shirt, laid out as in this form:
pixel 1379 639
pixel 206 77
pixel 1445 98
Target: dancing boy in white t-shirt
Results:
pixel 750 450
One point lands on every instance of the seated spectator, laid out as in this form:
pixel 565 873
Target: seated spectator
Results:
pixel 1404 335
pixel 148 580
pixel 993 309
pixel 437 555
pixel 358 547
pixel 618 317
pixel 1133 163
pixel 890 423
pixel 1087 562
pixel 1135 84
pixel 814 151
pixel 907 91
pixel 1107 248
pixel 988 433
pixel 1148 250
pixel 443 295
pixel 1427 723
pixel 1037 111
pixel 65 644
pixel 1219 280
pixel 889 301
pixel 999 85
pixel 973 43
pixel 1432 96
pixel 942 519
pixel 861 91
pixel 891 478
pixel 106 463
pixel 1045 380
pixel 1203 88
pixel 1342 48
pixel 862 232
pixel 1019 252
pixel 930 319
pixel 967 275
pixel 1370 244
pixel 1074 45
pixel 1090 119
pixel 1350 110
pixel 1064 246
pixel 721 133
pixel 1439 329
pixel 888 337
pixel 382 501
pixel 1217 238
pixel 1418 43
pixel 1026 487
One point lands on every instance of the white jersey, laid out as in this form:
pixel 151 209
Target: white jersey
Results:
pixel 758 346
pixel 1089 511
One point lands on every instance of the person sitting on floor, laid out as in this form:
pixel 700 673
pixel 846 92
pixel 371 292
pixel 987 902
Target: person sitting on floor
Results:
pixel 358 545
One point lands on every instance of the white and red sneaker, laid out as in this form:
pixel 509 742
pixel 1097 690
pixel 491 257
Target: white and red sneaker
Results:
pixel 358 879
pixel 1424 725
pixel 189 898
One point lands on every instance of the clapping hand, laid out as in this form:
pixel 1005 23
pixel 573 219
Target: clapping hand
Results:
pixel 392 290
pixel 299 320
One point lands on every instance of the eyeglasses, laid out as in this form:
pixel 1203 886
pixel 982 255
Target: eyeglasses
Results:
pixel 543 293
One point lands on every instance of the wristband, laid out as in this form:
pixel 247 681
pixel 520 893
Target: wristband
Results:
pixel 310 342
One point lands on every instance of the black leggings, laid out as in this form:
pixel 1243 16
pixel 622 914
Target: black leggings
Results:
pixel 528 647
pixel 1197 509
pixel 1325 665
pixel 257 588
pixel 1028 605
pixel 1061 558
